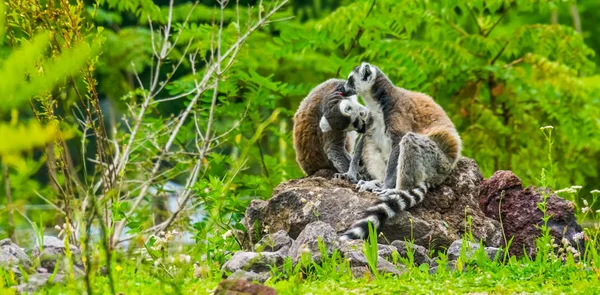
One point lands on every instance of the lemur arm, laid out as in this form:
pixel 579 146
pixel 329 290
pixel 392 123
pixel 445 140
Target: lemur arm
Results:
pixel 391 172
pixel 336 151
pixel 352 173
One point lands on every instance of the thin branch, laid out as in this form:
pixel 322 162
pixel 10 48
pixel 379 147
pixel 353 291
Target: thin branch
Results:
pixel 499 53
pixel 212 69
pixel 497 22
pixel 472 15
pixel 11 223
pixel 457 28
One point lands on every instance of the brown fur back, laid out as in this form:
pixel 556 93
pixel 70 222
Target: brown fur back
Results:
pixel 419 113
pixel 308 138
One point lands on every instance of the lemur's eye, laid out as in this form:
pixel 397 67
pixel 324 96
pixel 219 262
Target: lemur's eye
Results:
pixel 347 109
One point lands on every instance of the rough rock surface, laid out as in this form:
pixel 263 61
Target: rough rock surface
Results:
pixel 438 221
pixel 38 280
pixel 420 255
pixel 252 261
pixel 11 256
pixel 274 242
pixel 308 241
pixel 239 287
pixel 471 248
pixel 250 276
pixel 359 265
pixel 53 250
pixel 520 213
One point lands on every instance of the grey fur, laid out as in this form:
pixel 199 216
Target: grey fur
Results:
pixel 341 117
pixel 415 163
pixel 325 127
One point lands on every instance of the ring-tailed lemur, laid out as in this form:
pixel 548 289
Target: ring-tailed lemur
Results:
pixel 414 146
pixel 322 125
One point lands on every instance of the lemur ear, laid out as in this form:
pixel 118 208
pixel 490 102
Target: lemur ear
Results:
pixel 324 125
pixel 345 107
pixel 367 72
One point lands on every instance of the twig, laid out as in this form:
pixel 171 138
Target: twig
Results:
pixel 457 28
pixel 514 62
pixel 472 15
pixel 499 53
pixel 11 223
pixel 497 22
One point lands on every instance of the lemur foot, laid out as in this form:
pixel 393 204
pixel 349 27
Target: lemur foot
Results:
pixel 369 186
pixel 346 176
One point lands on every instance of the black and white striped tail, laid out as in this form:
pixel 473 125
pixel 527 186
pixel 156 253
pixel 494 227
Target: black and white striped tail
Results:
pixel 386 207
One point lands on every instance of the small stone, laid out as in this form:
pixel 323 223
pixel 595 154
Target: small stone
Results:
pixel 11 256
pixel 55 249
pixel 471 248
pixel 419 252
pixel 249 276
pixel 37 281
pixel 274 242
pixel 251 261
pixel 239 287
pixel 359 262
pixel 308 241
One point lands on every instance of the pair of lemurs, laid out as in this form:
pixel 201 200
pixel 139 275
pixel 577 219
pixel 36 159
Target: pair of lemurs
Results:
pixel 409 146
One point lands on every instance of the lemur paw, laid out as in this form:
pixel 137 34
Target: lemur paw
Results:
pixel 369 186
pixel 346 176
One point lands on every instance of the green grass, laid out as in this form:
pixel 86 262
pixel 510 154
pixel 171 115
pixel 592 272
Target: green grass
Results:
pixel 515 276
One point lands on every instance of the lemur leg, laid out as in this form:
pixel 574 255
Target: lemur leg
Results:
pixel 389 181
pixel 352 175
pixel 336 152
pixel 415 163
pixel 420 164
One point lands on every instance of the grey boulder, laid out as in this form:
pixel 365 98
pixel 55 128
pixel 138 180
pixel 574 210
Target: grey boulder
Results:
pixel 440 219
pixel 454 251
pixel 308 241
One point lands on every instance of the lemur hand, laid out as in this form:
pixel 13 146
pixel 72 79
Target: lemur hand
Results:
pixel 346 176
pixel 369 186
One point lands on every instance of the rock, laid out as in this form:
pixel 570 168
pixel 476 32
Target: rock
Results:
pixel 521 216
pixel 251 261
pixel 439 220
pixel 11 256
pixel 359 265
pixel 471 248
pixel 420 253
pixel 274 242
pixel 308 241
pixel 347 246
pixel 37 281
pixel 249 276
pixel 242 287
pixel 53 250
pixel 386 251
pixel 353 251
pixel 254 213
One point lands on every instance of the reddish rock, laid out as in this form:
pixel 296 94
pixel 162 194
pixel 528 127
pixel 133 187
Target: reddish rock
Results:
pixel 243 287
pixel 504 194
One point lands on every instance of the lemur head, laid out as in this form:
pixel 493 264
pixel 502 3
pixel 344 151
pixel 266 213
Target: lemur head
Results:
pixel 361 79
pixel 342 113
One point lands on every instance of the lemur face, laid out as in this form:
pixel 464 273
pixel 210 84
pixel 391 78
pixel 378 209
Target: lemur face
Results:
pixel 343 114
pixel 361 79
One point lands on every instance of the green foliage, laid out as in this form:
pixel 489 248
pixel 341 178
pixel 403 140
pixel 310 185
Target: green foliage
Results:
pixel 500 68
pixel 371 249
